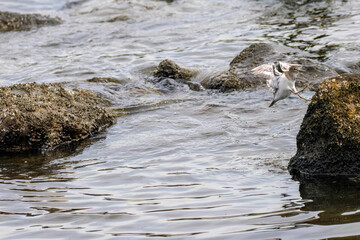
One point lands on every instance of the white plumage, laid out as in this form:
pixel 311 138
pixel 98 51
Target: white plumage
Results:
pixel 280 78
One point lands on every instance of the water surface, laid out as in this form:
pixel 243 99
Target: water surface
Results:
pixel 177 163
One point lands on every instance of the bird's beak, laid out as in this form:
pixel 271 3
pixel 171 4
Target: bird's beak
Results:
pixel 301 69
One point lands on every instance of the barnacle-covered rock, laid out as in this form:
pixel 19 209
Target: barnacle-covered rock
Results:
pixel 43 117
pixel 328 143
pixel 10 21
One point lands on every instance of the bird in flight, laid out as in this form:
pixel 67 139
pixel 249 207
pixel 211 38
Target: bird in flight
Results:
pixel 280 78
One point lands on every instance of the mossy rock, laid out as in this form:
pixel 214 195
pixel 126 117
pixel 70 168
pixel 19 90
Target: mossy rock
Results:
pixel 42 117
pixel 328 143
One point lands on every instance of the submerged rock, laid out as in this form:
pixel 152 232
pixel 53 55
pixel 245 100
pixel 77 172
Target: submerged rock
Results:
pixel 348 68
pixel 168 1
pixel 10 21
pixel 169 70
pixel 121 18
pixel 43 117
pixel 328 143
pixel 239 75
pixel 106 80
pixel 73 3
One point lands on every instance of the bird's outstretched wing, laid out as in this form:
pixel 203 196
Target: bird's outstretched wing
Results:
pixel 271 72
pixel 264 71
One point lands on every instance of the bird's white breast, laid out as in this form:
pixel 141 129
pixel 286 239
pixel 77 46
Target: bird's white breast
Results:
pixel 284 87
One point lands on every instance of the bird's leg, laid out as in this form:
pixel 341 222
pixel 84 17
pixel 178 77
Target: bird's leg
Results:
pixel 306 99
pixel 302 90
pixel 297 93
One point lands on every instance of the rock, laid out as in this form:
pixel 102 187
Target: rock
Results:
pixel 226 81
pixel 121 18
pixel 19 22
pixel 168 1
pixel 106 80
pixel 239 75
pixel 313 75
pixel 43 117
pixel 255 55
pixel 73 3
pixel 328 143
pixel 348 68
pixel 169 70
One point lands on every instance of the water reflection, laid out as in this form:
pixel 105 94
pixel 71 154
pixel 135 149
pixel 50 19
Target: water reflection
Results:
pixel 338 201
pixel 31 165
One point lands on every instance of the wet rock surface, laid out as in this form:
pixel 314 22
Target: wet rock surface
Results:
pixel 169 69
pixel 228 81
pixel 42 117
pixel 169 74
pixel 106 80
pixel 121 18
pixel 313 75
pixel 239 75
pixel 328 143
pixel 73 3
pixel 10 21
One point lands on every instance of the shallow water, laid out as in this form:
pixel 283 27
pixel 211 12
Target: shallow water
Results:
pixel 178 164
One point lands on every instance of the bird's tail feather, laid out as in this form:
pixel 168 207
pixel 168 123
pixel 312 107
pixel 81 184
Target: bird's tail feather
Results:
pixel 272 103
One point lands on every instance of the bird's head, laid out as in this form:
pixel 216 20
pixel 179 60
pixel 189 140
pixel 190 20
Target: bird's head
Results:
pixel 295 69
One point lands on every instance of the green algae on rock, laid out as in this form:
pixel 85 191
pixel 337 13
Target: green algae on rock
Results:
pixel 10 21
pixel 328 143
pixel 42 117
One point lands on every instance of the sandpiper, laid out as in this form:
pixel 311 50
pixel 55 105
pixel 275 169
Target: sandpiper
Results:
pixel 280 78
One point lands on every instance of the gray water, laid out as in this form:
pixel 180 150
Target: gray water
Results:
pixel 177 164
